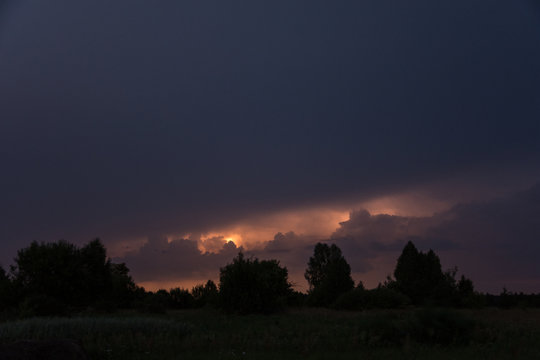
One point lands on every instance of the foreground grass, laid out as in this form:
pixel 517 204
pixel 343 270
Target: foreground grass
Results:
pixel 305 333
pixel 102 337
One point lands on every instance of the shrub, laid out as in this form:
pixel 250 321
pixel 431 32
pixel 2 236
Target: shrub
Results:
pixel 351 300
pixel 42 305
pixel 379 298
pixel 383 298
pixel 426 326
pixel 441 326
pixel 382 329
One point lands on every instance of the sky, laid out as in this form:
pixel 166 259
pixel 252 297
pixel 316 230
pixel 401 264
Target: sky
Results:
pixel 181 133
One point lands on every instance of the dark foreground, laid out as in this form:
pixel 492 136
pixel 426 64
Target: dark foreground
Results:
pixel 305 333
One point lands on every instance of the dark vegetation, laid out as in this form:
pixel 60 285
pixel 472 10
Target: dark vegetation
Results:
pixel 61 279
pixel 56 291
pixel 250 285
pixel 328 275
pixel 306 333
pixel 43 350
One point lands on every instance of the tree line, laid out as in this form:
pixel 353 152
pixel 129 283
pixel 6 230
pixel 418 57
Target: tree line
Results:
pixel 60 278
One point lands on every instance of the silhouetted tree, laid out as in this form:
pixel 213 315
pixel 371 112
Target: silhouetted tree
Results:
pixel 96 274
pixel 419 276
pixel 465 286
pixel 181 298
pixel 154 302
pixel 507 299
pixel 124 290
pixel 60 274
pixel 7 294
pixel 250 285
pixel 466 295
pixel 380 298
pixel 205 294
pixel 328 275
pixel 3 275
pixel 52 270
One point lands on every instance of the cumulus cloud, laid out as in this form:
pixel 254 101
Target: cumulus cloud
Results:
pixel 149 138
pixel 160 259
pixel 499 240
pixel 496 243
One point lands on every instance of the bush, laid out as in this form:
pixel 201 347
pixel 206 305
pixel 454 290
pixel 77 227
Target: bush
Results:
pixel 425 326
pixel 42 305
pixel 351 300
pixel 383 298
pixel 379 298
pixel 251 286
pixel 382 329
pixel 441 326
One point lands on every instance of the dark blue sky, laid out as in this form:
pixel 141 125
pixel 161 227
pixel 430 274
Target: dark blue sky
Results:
pixel 132 119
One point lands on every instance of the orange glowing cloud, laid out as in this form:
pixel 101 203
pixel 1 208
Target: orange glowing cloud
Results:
pixel 318 222
pixel 254 233
pixel 370 240
pixel 405 204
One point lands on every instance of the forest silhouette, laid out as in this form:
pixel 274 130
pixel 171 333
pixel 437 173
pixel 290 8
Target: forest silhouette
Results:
pixel 60 278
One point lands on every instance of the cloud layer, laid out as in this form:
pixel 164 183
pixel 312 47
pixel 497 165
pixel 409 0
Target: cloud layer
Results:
pixel 168 129
pixel 494 242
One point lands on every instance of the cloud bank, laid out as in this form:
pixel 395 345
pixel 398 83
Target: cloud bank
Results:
pixel 493 242
pixel 129 120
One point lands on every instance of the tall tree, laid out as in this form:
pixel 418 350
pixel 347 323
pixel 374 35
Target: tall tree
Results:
pixel 51 269
pixel 419 276
pixel 124 289
pixel 328 275
pixel 250 285
pixel 64 274
pixel 95 271
pixel 7 295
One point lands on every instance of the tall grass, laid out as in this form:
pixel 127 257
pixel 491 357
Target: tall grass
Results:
pixel 303 333
pixel 102 338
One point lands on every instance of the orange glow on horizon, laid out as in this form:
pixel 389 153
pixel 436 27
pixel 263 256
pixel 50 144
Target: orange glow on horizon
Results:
pixel 172 284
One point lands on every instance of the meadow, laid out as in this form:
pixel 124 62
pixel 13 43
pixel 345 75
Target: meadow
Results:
pixel 307 333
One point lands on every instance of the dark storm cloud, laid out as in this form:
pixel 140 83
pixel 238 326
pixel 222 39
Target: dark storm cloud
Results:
pixel 495 242
pixel 499 240
pixel 129 119
pixel 181 260
pixel 178 260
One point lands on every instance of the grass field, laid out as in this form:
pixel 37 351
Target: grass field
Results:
pixel 296 334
